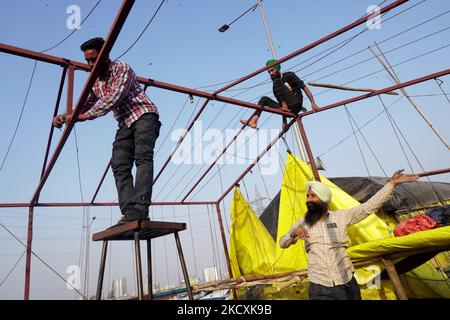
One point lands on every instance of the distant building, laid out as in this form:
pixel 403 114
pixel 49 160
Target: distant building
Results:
pixel 210 274
pixel 119 288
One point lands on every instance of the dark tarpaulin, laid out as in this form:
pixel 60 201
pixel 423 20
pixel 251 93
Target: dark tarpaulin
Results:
pixel 407 197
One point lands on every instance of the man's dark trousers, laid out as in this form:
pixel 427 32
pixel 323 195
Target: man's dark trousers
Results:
pixel 347 291
pixel 135 145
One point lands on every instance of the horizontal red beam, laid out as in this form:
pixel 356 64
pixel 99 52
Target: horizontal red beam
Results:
pixel 434 172
pixel 98 204
pixel 378 92
pixel 148 82
pixel 314 44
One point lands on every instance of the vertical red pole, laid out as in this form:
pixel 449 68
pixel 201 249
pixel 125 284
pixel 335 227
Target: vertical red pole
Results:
pixel 69 101
pixel 26 294
pixel 312 162
pixel 224 240
pixel 225 247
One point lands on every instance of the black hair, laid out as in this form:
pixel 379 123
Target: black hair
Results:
pixel 94 43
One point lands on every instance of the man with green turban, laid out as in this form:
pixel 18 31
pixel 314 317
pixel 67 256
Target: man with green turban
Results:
pixel 287 88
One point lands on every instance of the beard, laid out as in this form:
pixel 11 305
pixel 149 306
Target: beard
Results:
pixel 275 76
pixel 315 212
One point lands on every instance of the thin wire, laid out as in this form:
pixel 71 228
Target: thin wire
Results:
pixel 194 176
pixel 213 245
pixel 74 30
pixel 219 261
pixel 173 125
pixel 346 41
pixel 165 252
pixel 148 24
pixel 192 241
pixel 396 134
pixel 190 153
pixel 385 40
pixel 365 124
pixel 20 116
pixel 381 70
pixel 12 269
pixel 439 83
pixel 367 143
pixel 206 183
pixel 251 8
pixel 372 58
pixel 40 259
pixel 84 219
pixel 429 95
pixel 212 238
pixel 417 159
pixel 223 202
pixel 357 141
pixel 359 33
pixel 178 265
pixel 351 38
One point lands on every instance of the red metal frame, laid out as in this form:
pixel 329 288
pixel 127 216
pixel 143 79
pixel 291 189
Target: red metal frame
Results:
pixel 71 66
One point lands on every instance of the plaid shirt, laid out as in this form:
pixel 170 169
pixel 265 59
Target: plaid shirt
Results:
pixel 328 263
pixel 120 92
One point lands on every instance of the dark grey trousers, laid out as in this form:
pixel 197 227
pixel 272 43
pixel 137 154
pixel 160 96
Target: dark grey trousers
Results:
pixel 295 104
pixel 347 291
pixel 134 145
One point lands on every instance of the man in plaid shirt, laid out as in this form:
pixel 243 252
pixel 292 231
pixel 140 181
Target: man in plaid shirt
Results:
pixel 117 89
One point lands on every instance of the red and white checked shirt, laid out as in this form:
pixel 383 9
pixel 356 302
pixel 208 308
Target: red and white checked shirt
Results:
pixel 121 93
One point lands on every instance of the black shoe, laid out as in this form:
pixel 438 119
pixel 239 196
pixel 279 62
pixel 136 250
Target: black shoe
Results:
pixel 130 217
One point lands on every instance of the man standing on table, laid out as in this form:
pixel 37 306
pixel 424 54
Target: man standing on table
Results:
pixel 117 89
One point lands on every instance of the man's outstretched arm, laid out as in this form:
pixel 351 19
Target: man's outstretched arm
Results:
pixel 356 214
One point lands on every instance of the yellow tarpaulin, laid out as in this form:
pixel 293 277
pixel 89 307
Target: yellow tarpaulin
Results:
pixel 252 249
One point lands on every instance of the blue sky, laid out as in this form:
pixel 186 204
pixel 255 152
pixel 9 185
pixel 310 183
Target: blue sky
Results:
pixel 182 46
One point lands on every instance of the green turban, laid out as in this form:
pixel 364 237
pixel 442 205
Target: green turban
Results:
pixel 270 61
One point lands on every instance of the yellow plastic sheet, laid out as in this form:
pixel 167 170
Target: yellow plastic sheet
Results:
pixel 252 249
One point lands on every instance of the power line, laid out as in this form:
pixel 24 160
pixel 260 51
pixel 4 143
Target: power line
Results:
pixel 148 24
pixel 40 259
pixel 365 124
pixel 12 269
pixel 20 116
pixel 346 41
pixel 74 30
pixel 371 58
pixel 400 63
